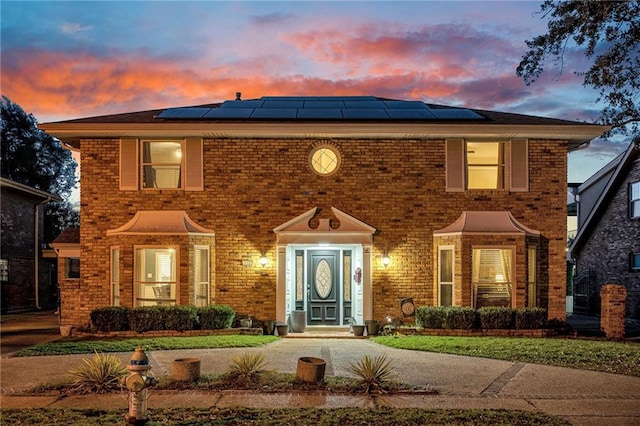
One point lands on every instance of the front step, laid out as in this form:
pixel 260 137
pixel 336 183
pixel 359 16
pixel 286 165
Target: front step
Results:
pixel 324 332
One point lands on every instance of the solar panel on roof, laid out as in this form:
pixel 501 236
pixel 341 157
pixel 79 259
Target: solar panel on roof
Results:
pixel 275 113
pixel 189 112
pixel 282 104
pixel 456 113
pixel 410 114
pixel 320 113
pixel 323 104
pixel 366 113
pixel 289 98
pixel 241 104
pixel 229 113
pixel 364 104
pixel 405 105
pixel 347 98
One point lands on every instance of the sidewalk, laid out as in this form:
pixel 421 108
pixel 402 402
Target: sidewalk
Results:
pixel 582 397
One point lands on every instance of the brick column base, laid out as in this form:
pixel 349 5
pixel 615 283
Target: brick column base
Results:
pixel 613 297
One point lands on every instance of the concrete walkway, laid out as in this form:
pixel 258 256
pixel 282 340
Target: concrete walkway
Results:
pixel 582 397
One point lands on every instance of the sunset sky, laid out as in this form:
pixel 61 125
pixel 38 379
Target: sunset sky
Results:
pixel 71 59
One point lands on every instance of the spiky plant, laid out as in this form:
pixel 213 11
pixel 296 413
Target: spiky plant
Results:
pixel 247 365
pixel 372 373
pixel 101 374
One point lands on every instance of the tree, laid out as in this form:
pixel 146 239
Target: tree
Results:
pixel 32 157
pixel 609 31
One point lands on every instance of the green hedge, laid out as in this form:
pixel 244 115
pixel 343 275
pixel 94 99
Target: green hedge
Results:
pixel 467 318
pixel 216 317
pixel 495 317
pixel 530 318
pixel 147 318
pixel 452 317
pixel 110 318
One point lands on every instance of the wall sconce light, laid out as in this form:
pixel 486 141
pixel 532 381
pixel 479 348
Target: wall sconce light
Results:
pixel 263 260
pixel 386 260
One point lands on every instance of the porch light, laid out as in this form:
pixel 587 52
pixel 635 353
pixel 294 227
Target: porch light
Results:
pixel 263 260
pixel 386 260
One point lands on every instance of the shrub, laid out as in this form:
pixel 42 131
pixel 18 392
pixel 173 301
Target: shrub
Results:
pixel 180 318
pixel 495 317
pixel 216 317
pixel 110 318
pixel 530 318
pixel 101 374
pixel 372 373
pixel 430 316
pixel 247 365
pixel 146 318
pixel 460 317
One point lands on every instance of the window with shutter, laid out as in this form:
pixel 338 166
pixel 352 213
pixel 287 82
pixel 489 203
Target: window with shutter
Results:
pixel 128 164
pixel 485 165
pixel 519 165
pixel 455 165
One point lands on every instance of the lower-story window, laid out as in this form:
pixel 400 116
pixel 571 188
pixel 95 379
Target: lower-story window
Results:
pixel 445 276
pixel 155 276
pixel 115 277
pixel 201 275
pixel 492 277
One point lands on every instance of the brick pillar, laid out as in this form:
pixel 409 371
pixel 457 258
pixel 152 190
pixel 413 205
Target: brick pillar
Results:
pixel 613 297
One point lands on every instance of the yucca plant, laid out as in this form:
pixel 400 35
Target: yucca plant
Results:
pixel 101 374
pixel 373 373
pixel 246 366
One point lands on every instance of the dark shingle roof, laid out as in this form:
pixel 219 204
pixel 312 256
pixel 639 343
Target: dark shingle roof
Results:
pixel 215 112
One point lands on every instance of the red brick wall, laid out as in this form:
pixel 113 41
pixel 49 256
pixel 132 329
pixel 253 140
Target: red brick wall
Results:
pixel 613 297
pixel 254 185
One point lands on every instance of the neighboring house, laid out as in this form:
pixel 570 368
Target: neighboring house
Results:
pixel 338 206
pixel 607 246
pixel 27 278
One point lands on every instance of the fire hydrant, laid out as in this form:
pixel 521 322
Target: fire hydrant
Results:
pixel 137 383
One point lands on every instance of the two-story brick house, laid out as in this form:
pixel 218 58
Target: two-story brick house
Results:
pixel 607 246
pixel 339 206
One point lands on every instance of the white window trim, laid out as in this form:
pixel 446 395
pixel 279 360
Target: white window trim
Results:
pixel 114 280
pixel 141 164
pixel 196 284
pixel 136 283
pixel 513 280
pixel 634 200
pixel 453 274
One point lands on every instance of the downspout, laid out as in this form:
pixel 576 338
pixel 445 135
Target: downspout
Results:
pixel 36 242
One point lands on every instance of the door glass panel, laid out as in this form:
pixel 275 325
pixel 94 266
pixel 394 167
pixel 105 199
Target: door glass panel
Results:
pixel 347 276
pixel 323 279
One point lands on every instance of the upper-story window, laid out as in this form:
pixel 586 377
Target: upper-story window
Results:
pixel 161 164
pixel 487 165
pixel 634 200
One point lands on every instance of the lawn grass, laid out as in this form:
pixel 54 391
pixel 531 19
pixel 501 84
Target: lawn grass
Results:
pixel 287 416
pixel 150 344
pixel 596 355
